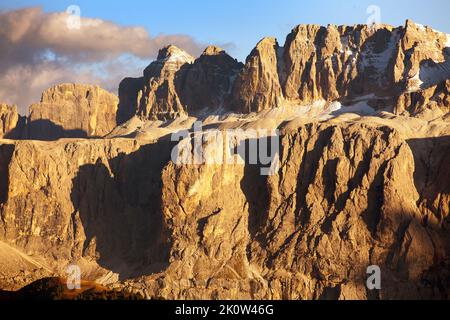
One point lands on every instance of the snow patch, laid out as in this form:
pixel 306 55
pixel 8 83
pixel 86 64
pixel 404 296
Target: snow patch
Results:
pixel 433 73
pixel 179 56
pixel 421 27
pixel 362 108
pixel 346 47
pixel 380 61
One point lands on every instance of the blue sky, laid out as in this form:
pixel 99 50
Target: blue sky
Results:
pixel 244 22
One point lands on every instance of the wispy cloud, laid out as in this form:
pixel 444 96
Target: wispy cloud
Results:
pixel 38 50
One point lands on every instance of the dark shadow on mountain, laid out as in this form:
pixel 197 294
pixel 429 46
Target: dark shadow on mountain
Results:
pixel 128 99
pixel 18 133
pixel 119 204
pixel 308 170
pixel 254 184
pixel 432 172
pixel 432 73
pixel 46 130
pixel 6 152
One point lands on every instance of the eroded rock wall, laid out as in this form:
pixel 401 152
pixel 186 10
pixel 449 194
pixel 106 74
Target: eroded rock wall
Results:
pixel 346 196
pixel 72 111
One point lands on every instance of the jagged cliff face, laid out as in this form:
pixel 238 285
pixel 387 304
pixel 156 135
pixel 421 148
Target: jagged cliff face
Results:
pixel 177 84
pixel 258 86
pixel 73 110
pixel 404 70
pixel 346 196
pixel 386 65
pixel 9 121
pixel 353 189
pixel 64 215
pixel 342 63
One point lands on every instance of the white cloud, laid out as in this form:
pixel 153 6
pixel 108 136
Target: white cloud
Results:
pixel 38 50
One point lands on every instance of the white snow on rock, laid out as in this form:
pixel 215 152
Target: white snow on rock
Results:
pixel 180 57
pixel 421 27
pixel 432 73
pixel 361 108
pixel 380 61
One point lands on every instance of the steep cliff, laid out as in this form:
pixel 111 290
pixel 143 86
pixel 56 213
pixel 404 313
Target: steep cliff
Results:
pixel 363 175
pixel 346 196
pixel 342 63
pixel 258 86
pixel 72 111
pixel 11 123
pixel 177 84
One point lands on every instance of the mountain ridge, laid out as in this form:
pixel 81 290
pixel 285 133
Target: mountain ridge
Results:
pixel 362 115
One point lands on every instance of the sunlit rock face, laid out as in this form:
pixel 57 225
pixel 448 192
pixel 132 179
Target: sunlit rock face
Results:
pixel 177 84
pixel 11 123
pixel 333 63
pixel 361 115
pixel 72 111
pixel 345 196
pixel 343 63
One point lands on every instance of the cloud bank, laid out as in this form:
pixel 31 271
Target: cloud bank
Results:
pixel 39 50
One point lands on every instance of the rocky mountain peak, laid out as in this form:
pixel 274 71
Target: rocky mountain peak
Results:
pixel 72 110
pixel 172 53
pixel 213 51
pixel 316 63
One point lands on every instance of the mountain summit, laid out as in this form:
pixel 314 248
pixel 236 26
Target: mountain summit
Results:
pixel 391 67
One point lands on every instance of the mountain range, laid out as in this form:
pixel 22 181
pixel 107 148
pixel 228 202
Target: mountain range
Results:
pixel 362 111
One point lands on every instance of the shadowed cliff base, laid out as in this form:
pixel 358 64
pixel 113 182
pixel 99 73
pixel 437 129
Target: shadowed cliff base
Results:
pixel 45 130
pixel 432 177
pixel 6 152
pixel 120 211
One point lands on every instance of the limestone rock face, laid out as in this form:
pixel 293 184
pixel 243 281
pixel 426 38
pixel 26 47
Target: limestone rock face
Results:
pixel 431 102
pixel 422 54
pixel 90 202
pixel 258 86
pixel 11 123
pixel 129 91
pixel 205 84
pixel 351 190
pixel 334 63
pixel 73 110
pixel 158 99
pixel 155 96
pixel 177 84
pixel 341 63
pixel 346 196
